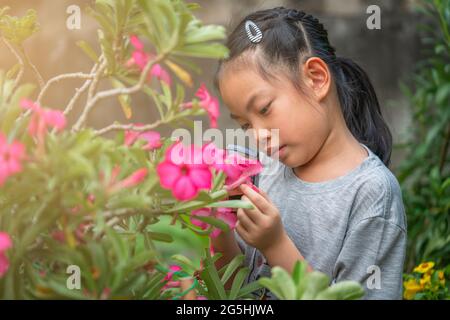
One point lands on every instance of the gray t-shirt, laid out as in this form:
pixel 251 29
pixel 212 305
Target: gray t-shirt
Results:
pixel 350 227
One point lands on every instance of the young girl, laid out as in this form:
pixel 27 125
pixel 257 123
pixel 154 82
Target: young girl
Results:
pixel 330 200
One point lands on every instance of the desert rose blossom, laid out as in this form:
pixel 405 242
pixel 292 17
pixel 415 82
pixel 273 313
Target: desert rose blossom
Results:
pixel 184 172
pixel 5 244
pixel 153 138
pixel 43 118
pixel 207 102
pixel 224 214
pixel 11 157
pixel 140 58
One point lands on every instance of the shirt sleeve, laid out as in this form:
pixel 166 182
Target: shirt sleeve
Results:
pixel 373 254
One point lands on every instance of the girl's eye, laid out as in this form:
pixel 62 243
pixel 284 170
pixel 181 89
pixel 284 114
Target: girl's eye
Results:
pixel 265 109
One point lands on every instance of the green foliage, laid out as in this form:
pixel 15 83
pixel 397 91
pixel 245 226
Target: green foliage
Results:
pixel 424 174
pixel 67 205
pixel 213 280
pixel 16 29
pixel 303 285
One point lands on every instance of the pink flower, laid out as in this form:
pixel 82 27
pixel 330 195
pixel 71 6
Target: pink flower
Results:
pixel 184 172
pixel 137 43
pixel 140 58
pixel 227 216
pixel 169 277
pixel 106 293
pixel 5 244
pixel 161 74
pixel 43 118
pixel 152 137
pixel 135 178
pixel 132 180
pixel 11 156
pixel 203 212
pixel 237 168
pixel 207 102
pixel 224 214
pixel 172 269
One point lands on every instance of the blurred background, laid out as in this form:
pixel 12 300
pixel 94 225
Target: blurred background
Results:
pixel 388 55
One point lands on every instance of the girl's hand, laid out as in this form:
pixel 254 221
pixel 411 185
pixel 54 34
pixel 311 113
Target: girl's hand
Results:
pixel 260 227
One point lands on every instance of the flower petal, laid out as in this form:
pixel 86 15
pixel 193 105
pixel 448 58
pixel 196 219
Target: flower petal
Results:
pixel 168 174
pixel 202 178
pixel 184 189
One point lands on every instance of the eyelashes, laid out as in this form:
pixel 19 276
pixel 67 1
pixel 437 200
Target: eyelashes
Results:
pixel 265 109
pixel 262 112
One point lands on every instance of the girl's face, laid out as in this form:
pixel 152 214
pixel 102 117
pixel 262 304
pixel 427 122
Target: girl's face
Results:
pixel 256 103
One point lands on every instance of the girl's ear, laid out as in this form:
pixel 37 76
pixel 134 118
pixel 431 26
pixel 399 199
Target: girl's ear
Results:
pixel 317 77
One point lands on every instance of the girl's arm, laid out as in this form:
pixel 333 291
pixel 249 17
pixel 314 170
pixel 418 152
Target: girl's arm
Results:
pixel 283 253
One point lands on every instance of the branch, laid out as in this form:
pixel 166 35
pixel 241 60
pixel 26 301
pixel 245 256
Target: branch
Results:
pixel 116 92
pixel 33 67
pixel 76 75
pixel 118 126
pixel 98 74
pixel 20 61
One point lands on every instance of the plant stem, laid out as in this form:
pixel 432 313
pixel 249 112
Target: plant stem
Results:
pixel 33 67
pixel 20 61
pixel 76 75
pixel 118 126
pixel 115 92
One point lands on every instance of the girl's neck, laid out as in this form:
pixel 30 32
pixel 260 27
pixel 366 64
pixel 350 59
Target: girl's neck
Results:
pixel 339 154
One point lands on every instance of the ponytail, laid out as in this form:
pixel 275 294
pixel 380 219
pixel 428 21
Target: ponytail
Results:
pixel 361 110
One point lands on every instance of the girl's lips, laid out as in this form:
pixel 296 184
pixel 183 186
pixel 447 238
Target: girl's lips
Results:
pixel 280 151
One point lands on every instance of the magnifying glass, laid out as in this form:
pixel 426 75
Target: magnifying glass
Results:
pixel 248 153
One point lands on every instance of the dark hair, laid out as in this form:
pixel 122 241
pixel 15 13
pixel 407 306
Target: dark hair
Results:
pixel 290 35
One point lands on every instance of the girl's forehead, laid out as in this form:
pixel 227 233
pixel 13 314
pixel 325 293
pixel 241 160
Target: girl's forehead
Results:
pixel 236 86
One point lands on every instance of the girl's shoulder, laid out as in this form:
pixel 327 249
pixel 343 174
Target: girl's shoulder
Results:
pixel 378 195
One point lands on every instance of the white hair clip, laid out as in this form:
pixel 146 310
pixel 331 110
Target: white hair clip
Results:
pixel 253 31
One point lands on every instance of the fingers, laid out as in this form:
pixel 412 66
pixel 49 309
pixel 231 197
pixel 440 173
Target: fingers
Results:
pixel 243 233
pixel 244 219
pixel 257 199
pixel 254 214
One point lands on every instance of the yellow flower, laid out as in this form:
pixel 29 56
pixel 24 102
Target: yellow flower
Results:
pixel 441 277
pixel 411 288
pixel 424 267
pixel 425 281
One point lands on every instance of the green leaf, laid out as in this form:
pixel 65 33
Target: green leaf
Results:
pixel 443 93
pixel 231 204
pixel 215 288
pixel 273 287
pixel 210 50
pixel 237 283
pixel 248 289
pixel 159 236
pixel 214 222
pixel 344 290
pixel 87 49
pixel 315 283
pixel 285 282
pixel 231 267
